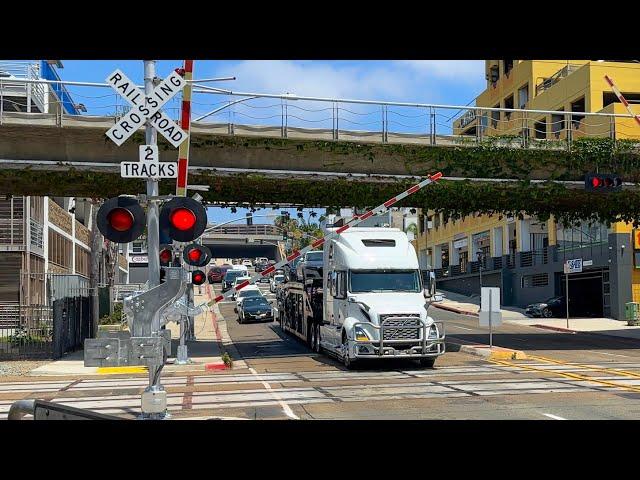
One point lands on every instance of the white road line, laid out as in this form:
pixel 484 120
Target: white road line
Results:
pixel 555 417
pixel 285 408
pixel 611 354
pixel 461 328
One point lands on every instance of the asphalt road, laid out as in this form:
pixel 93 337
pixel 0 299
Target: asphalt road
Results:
pixel 567 376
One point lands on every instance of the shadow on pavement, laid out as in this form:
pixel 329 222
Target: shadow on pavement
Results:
pixel 550 341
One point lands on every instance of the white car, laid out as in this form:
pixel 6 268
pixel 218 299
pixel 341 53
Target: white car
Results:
pixel 275 281
pixel 248 291
pixel 247 263
pixel 238 281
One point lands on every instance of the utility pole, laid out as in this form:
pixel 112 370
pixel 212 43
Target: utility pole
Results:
pixel 153 234
pixel 94 280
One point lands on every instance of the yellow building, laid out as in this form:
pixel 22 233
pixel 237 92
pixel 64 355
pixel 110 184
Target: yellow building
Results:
pixel 525 256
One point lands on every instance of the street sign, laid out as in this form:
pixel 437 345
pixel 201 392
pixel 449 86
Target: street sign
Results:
pixel 587 263
pixel 490 314
pixel 149 169
pixel 573 266
pixel 149 153
pixel 146 108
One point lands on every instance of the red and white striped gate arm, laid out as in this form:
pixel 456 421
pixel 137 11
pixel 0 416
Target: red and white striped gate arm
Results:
pixel 351 223
pixel 621 98
pixel 185 124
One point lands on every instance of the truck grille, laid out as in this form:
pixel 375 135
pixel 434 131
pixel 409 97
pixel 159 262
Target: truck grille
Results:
pixel 401 327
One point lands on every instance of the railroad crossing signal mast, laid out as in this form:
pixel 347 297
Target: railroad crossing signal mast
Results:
pixel 122 220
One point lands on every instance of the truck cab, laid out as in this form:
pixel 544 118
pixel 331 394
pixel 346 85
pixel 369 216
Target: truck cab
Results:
pixel 374 302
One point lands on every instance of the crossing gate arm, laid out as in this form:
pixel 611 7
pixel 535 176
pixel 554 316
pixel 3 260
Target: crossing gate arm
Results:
pixel 351 223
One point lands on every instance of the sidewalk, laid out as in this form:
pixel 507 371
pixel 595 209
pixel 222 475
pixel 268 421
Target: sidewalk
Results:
pixel 205 352
pixel 465 305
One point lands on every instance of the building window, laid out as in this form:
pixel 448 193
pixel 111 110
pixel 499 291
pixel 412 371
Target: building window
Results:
pixel 523 96
pixel 532 281
pixel 494 74
pixel 59 249
pixel 495 117
pixel 577 106
pixel 508 103
pixel 540 128
pixel 557 123
pixel 507 66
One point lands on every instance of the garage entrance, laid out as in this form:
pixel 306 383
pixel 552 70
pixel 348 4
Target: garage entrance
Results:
pixel 588 292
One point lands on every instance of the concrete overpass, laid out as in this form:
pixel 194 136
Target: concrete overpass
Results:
pixel 244 241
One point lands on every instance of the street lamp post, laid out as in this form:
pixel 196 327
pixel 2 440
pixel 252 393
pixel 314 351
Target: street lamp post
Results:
pixel 480 256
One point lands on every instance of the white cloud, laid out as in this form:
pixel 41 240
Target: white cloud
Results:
pixel 463 70
pixel 316 78
pixel 426 81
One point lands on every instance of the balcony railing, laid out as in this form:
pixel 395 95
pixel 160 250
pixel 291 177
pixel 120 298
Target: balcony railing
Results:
pixel 556 77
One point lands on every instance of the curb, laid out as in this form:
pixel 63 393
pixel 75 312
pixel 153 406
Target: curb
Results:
pixel 455 310
pixel 216 366
pixel 495 353
pixel 557 329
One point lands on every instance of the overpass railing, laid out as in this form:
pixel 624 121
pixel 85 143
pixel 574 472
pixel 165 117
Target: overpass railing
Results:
pixel 258 229
pixel 217 111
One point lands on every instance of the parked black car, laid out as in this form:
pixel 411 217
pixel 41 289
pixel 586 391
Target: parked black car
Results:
pixel 552 307
pixel 255 309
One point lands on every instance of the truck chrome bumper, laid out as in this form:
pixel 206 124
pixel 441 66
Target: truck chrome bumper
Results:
pixel 423 347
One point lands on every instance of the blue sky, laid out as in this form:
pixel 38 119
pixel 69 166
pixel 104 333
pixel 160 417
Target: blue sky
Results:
pixel 444 82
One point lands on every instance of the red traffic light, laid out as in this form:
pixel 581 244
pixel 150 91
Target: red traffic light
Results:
pixel 121 219
pixel 196 255
pixel 198 277
pixel 166 255
pixel 602 182
pixel 183 219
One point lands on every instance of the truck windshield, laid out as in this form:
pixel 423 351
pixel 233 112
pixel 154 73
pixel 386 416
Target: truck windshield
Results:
pixel 384 281
pixel 314 256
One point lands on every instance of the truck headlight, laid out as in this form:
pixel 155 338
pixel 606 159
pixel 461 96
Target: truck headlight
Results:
pixel 433 332
pixel 361 335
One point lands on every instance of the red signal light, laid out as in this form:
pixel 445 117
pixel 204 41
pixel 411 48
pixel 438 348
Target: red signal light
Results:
pixel 120 219
pixel 195 255
pixel 182 219
pixel 198 277
pixel 596 182
pixel 166 256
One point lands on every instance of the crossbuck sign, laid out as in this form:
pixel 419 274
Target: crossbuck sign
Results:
pixel 146 108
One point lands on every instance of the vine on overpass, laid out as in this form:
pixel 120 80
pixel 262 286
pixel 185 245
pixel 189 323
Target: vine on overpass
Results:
pixel 455 198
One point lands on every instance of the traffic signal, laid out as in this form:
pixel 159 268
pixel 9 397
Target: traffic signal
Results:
pixel 198 277
pixel 166 255
pixel 196 255
pixel 121 219
pixel 183 219
pixel 602 182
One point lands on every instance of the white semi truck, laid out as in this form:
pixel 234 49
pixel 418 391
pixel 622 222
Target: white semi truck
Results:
pixel 369 302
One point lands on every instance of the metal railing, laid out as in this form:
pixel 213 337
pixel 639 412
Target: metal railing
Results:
pixel 26 331
pixel 37 233
pixel 257 229
pixel 556 77
pixel 299 117
pixel 21 95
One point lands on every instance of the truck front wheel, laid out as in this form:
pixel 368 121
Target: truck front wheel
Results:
pixel 348 362
pixel 428 362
